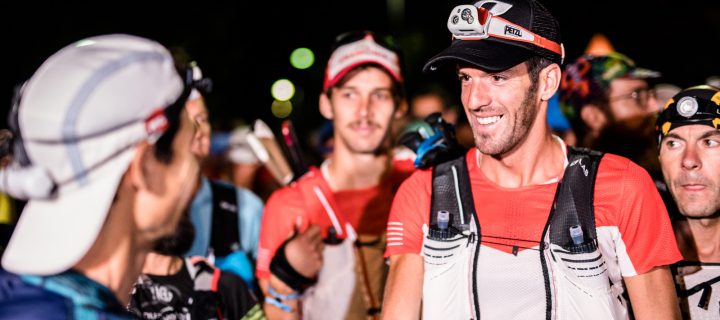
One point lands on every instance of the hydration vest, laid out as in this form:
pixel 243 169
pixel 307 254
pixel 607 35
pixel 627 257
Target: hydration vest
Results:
pixel 570 256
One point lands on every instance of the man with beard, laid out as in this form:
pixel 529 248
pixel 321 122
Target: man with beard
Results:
pixel 332 220
pixel 101 153
pixel 522 226
pixel 690 159
pixel 604 90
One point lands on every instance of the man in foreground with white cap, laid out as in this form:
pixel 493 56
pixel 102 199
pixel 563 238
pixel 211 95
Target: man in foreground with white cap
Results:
pixel 102 153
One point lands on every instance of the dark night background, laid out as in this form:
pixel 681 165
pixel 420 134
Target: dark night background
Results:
pixel 244 57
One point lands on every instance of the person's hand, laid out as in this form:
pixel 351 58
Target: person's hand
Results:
pixel 305 252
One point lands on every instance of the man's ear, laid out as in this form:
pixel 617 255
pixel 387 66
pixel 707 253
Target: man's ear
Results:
pixel 136 175
pixel 325 106
pixel 549 81
pixel 593 117
pixel 145 171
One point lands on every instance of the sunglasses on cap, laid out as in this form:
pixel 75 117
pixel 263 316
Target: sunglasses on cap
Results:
pixel 356 48
pixel 384 40
pixel 469 22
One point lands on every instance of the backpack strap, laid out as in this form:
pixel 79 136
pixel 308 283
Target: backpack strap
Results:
pixel 224 234
pixel 451 191
pixel 205 277
pixel 574 201
pixel 205 286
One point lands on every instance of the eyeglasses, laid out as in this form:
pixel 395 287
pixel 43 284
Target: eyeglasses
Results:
pixel 468 22
pixel 640 95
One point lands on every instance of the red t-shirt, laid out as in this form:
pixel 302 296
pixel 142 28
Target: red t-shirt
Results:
pixel 298 206
pixel 626 200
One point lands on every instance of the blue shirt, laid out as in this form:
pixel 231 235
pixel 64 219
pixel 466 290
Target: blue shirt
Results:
pixel 68 295
pixel 250 208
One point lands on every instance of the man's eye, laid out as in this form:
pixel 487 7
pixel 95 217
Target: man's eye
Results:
pixel 712 143
pixel 671 143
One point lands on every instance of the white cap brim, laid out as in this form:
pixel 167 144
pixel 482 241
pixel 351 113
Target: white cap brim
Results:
pixel 53 235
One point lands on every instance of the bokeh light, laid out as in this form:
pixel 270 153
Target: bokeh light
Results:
pixel 281 109
pixel 302 58
pixel 283 90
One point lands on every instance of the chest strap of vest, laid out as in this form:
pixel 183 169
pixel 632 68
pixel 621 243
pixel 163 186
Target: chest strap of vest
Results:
pixel 224 234
pixel 451 192
pixel 574 204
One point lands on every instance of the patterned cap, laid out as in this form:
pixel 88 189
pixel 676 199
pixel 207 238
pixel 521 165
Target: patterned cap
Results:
pixel 588 78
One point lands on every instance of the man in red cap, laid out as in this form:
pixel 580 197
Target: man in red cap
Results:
pixel 322 238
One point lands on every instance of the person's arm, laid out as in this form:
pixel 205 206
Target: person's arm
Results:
pixel 304 255
pixel 403 291
pixel 652 295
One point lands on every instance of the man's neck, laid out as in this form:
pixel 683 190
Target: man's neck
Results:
pixel 116 258
pixel 536 160
pixel 699 239
pixel 347 170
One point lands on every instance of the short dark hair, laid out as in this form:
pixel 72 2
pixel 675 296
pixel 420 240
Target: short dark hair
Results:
pixel 536 64
pixel 163 148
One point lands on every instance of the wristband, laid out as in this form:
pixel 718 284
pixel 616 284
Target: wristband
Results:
pixel 278 304
pixel 282 269
pixel 277 299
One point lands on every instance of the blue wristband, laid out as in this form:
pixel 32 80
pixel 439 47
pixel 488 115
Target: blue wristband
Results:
pixel 277 303
pixel 289 296
pixel 277 298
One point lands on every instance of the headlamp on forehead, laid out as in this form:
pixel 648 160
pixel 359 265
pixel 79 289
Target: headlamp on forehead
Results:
pixel 474 22
pixel 695 105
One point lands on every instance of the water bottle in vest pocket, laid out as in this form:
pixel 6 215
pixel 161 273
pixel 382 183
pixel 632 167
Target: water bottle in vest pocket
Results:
pixel 583 289
pixel 447 263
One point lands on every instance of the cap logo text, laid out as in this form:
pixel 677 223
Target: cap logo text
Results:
pixel 513 31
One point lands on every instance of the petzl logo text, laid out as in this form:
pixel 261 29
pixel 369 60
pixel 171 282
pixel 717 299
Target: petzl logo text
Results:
pixel 513 31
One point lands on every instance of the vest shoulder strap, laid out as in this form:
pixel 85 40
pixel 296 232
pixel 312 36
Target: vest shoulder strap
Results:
pixel 451 191
pixel 224 234
pixel 574 199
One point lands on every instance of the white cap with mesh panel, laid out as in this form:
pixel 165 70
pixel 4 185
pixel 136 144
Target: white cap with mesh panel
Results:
pixel 80 117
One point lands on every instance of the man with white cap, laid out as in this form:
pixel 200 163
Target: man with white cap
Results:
pixel 101 152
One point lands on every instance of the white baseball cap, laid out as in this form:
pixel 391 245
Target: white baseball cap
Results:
pixel 239 151
pixel 79 119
